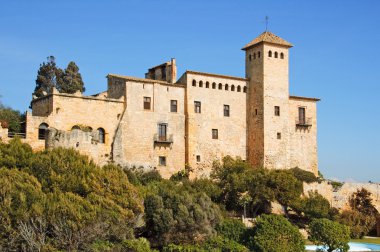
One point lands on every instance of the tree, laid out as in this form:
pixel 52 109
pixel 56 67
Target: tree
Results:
pixel 46 77
pixel 232 229
pixel 70 80
pixel 332 235
pixel 362 202
pixel 275 233
pixel 11 118
pixel 360 224
pixel 304 176
pixel 315 206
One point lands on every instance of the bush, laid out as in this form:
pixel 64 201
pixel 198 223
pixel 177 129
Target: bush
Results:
pixel 232 229
pixel 275 233
pixel 332 235
pixel 316 206
pixel 304 176
pixel 360 224
pixel 137 245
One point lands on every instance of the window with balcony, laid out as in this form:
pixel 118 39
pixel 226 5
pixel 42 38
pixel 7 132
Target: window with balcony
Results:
pixel 173 106
pixel 197 107
pixel 162 132
pixel 147 103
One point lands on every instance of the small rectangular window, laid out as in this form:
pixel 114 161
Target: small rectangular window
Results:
pixel 147 103
pixel 173 106
pixel 214 134
pixel 197 107
pixel 301 115
pixel 278 135
pixel 227 110
pixel 277 110
pixel 198 158
pixel 162 160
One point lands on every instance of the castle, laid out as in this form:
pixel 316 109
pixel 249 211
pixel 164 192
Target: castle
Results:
pixel 163 123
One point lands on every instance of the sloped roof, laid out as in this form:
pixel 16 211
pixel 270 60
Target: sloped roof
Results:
pixel 269 38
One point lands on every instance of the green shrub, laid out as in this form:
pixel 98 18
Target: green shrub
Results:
pixel 304 176
pixel 331 234
pixel 137 245
pixel 360 224
pixel 316 206
pixel 275 233
pixel 232 229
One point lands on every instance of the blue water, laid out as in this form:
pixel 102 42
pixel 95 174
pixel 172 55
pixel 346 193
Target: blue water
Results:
pixel 354 246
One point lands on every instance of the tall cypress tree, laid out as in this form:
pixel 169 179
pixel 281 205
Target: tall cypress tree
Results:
pixel 70 80
pixel 46 77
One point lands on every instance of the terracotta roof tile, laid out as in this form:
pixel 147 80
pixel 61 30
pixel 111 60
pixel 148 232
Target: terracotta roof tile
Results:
pixel 269 38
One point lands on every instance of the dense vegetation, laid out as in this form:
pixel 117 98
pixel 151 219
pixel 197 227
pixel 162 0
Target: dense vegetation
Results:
pixel 11 119
pixel 60 200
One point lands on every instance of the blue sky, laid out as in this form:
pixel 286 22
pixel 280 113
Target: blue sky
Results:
pixel 336 56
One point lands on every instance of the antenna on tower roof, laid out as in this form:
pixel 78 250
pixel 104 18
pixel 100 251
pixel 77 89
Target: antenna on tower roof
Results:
pixel 266 23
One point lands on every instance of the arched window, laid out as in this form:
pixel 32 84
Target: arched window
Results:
pixel 226 87
pixel 42 131
pixel 201 84
pixel 232 88
pixel 207 84
pixel 75 127
pixel 194 83
pixel 282 55
pixel 250 57
pixel 245 89
pixel 101 135
pixel 254 55
pixel 270 54
pixel 258 54
pixel 213 85
pixel 239 88
pixel 276 54
pixel 220 86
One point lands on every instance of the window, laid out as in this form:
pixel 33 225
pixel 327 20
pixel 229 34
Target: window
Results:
pixel 162 130
pixel 201 84
pixel 278 135
pixel 162 161
pixel 226 87
pixel 301 115
pixel 173 106
pixel 42 131
pixel 147 103
pixel 101 135
pixel 198 158
pixel 254 55
pixel 220 86
pixel 197 107
pixel 255 111
pixel 75 127
pixel 194 83
pixel 245 89
pixel 282 55
pixel 232 88
pixel 258 54
pixel 207 84
pixel 238 88
pixel 214 134
pixel 270 54
pixel 277 110
pixel 213 85
pixel 227 110
pixel 276 54
pixel 250 57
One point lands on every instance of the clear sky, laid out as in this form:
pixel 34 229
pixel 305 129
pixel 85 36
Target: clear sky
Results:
pixel 336 56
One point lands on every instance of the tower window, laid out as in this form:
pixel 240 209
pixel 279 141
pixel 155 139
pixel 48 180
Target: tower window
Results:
pixel 255 111
pixel 254 55
pixel 302 115
pixel 197 107
pixel 238 88
pixel 162 161
pixel 213 85
pixel 276 54
pixel 214 134
pixel 101 135
pixel 173 106
pixel 282 55
pixel 278 135
pixel 277 110
pixel 250 57
pixel 162 131
pixel 220 86
pixel 270 54
pixel 201 84
pixel 42 131
pixel 245 89
pixel 198 158
pixel 232 88
pixel 258 54
pixel 147 103
pixel 226 87
pixel 207 84
pixel 226 110
pixel 194 83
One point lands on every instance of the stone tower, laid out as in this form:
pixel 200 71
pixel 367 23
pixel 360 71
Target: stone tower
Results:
pixel 267 69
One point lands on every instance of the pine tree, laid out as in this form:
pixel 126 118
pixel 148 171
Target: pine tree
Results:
pixel 70 80
pixel 46 77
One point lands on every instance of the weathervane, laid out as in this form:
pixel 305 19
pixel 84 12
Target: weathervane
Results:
pixel 266 23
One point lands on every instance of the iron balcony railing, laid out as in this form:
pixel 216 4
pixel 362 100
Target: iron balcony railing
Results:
pixel 163 139
pixel 304 122
pixel 14 134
